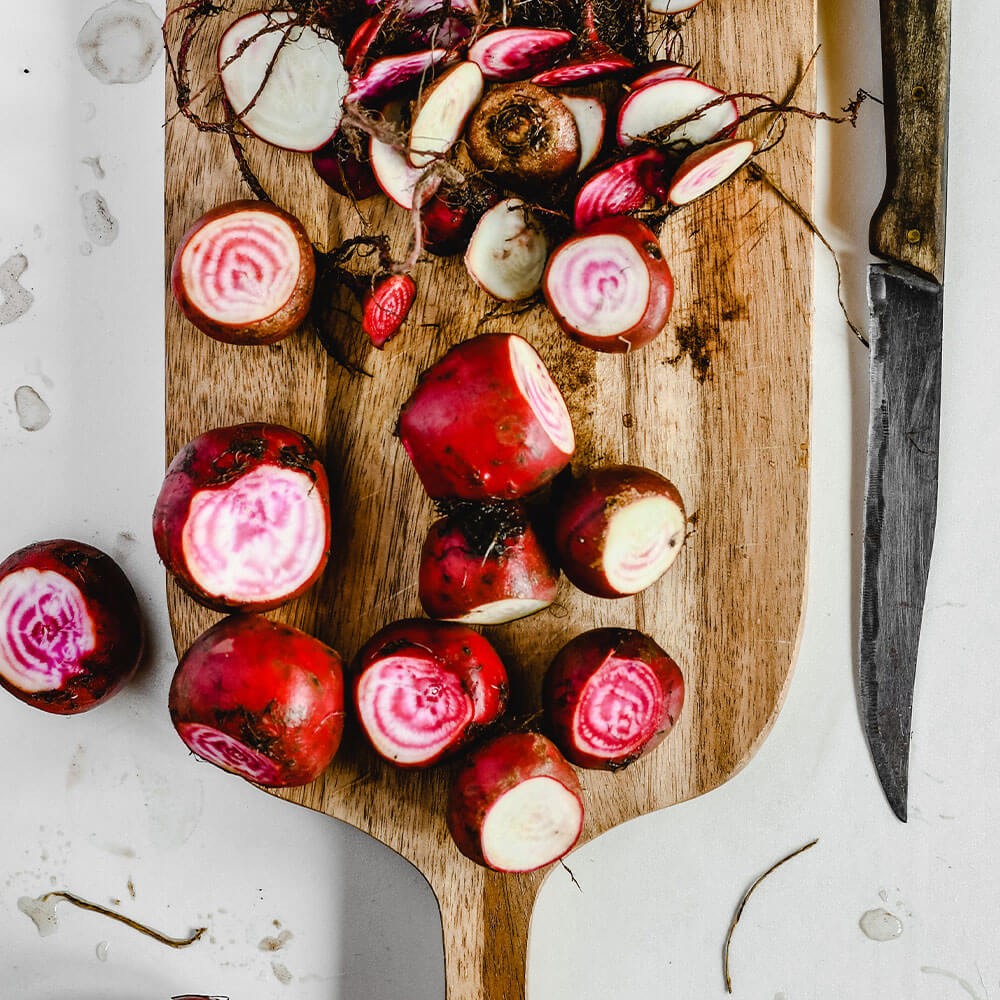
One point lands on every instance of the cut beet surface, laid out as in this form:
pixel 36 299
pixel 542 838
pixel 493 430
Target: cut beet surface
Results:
pixel 443 111
pixel 611 696
pixel 662 104
pixel 487 422
pixel 516 805
pixel 708 167
pixel 287 84
pixel 584 70
pixel 423 689
pixel 243 517
pixel 70 630
pixel 591 118
pixel 386 307
pixel 389 74
pixel 394 174
pixel 507 251
pixel 244 273
pixel 624 187
pixel 517 53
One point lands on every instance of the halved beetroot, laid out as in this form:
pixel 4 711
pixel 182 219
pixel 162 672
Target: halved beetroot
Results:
pixel 516 805
pixel 483 564
pixel 507 251
pixel 609 287
pixel 243 517
pixel 671 6
pixel 286 84
pixel 487 422
pixel 423 689
pixel 444 108
pixel 625 186
pixel 611 696
pixel 708 167
pixel 244 273
pixel 662 104
pixel 70 630
pixel 591 117
pixel 618 529
pixel 260 699
pixel 517 53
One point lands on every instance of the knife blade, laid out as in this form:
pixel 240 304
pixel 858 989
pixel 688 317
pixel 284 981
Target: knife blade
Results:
pixel 906 297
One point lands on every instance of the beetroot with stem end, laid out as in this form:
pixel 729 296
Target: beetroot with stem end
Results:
pixel 243 517
pixel 260 699
pixel 517 53
pixel 70 630
pixel 516 805
pixel 609 287
pixel 244 273
pixel 422 689
pixel 487 422
pixel 386 306
pixel 618 529
pixel 483 564
pixel 623 187
pixel 611 696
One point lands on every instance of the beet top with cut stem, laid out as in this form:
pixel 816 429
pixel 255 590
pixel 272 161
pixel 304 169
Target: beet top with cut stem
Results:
pixel 70 630
pixel 516 805
pixel 422 689
pixel 611 696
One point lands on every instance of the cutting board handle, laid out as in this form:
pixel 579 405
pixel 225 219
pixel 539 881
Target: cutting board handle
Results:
pixel 485 917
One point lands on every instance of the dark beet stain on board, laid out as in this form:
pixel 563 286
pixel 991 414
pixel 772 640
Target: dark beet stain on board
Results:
pixel 699 343
pixel 120 42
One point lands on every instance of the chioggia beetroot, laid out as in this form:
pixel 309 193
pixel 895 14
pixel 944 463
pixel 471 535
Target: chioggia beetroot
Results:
pixel 260 699
pixel 611 695
pixel 484 564
pixel 243 517
pixel 487 422
pixel 516 805
pixel 422 689
pixel 70 630
pixel 386 306
pixel 618 529
pixel 244 273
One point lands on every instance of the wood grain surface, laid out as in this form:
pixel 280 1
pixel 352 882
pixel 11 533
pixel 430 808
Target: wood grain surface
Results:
pixel 719 404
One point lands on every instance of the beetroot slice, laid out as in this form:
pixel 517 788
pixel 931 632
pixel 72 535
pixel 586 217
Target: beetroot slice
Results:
pixel 659 105
pixel 671 6
pixel 244 273
pixel 393 172
pixel 580 70
pixel 507 251
pixel 611 696
pixel 386 307
pixel 443 112
pixel 516 805
pixel 70 630
pixel 518 53
pixel 243 517
pixel 661 71
pixel 362 40
pixel 390 73
pixel 487 422
pixel 708 167
pixel 590 116
pixel 423 689
pixel 623 187
pixel 299 106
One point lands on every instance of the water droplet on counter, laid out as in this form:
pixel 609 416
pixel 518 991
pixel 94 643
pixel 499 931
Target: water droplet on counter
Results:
pixel 100 224
pixel 281 973
pixel 94 162
pixel 42 911
pixel 121 42
pixel 33 412
pixel 275 943
pixel 103 947
pixel 16 299
pixel 880 925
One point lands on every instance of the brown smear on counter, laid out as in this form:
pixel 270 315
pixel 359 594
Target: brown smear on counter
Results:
pixel 743 902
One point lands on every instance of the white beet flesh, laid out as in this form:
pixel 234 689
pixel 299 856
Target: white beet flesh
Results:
pixel 707 168
pixel 590 118
pixel 600 285
pixel 533 824
pixel 394 173
pixel 442 117
pixel 500 612
pixel 546 401
pixel 227 752
pixel 671 6
pixel 642 542
pixel 45 630
pixel 300 105
pixel 257 539
pixel 506 254
pixel 411 709
pixel 241 268
pixel 660 104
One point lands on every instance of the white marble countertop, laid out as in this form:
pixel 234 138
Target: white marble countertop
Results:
pixel 108 805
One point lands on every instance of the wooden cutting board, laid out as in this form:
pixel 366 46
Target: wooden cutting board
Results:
pixel 719 404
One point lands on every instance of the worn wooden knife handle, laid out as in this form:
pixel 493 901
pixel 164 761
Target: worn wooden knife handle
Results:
pixel 908 226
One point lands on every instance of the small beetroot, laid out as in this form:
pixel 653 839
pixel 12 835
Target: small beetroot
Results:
pixel 611 696
pixel 516 805
pixel 423 689
pixel 70 631
pixel 386 306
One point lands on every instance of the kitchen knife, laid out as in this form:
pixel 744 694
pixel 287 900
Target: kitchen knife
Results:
pixel 906 296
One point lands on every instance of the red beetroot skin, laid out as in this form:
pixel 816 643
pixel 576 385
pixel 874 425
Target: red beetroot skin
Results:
pixel 628 710
pixel 464 567
pixel 494 769
pixel 454 650
pixel 471 433
pixel 584 515
pixel 343 171
pixel 214 460
pixel 260 699
pixel 70 630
